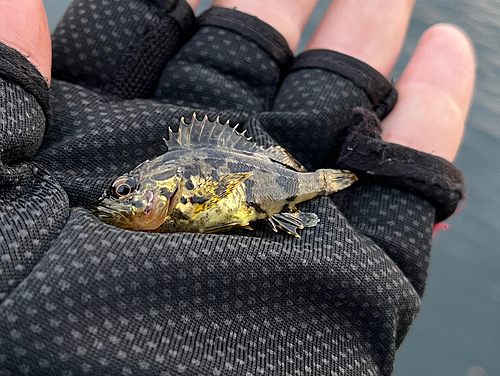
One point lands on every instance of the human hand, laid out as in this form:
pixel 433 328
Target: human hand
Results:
pixel 436 88
pixel 80 296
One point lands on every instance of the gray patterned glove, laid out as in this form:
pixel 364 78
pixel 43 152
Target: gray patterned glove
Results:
pixel 81 297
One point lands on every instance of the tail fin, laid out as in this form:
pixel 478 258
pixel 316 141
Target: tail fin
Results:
pixel 336 180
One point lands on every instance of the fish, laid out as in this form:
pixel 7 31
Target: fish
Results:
pixel 213 179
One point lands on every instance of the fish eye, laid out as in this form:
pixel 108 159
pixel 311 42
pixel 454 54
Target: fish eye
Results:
pixel 123 187
pixel 123 190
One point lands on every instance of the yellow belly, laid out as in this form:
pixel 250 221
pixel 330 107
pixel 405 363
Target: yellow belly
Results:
pixel 230 212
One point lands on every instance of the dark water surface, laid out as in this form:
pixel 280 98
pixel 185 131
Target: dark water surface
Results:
pixel 458 330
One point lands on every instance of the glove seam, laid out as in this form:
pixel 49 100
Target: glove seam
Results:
pixel 377 88
pixel 185 19
pixel 355 145
pixel 417 173
pixel 252 28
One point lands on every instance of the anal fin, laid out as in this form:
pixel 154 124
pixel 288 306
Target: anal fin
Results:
pixel 291 222
pixel 226 227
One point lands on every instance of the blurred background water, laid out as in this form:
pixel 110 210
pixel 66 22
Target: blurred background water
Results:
pixel 458 330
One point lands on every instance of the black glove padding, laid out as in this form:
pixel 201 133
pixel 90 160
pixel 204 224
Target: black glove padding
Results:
pixel 82 297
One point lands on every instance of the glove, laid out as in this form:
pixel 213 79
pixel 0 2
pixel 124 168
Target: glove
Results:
pixel 82 297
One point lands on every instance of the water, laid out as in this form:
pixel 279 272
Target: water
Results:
pixel 458 330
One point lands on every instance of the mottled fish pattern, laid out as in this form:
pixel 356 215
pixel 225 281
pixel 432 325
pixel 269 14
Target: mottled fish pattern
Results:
pixel 214 179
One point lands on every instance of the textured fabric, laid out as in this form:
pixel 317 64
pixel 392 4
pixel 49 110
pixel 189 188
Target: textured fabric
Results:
pixel 316 103
pixel 16 68
pixel 121 47
pixel 373 83
pixel 362 150
pixel 259 32
pixel 81 297
pixel 22 125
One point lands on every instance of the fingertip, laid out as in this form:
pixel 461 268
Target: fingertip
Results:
pixel 24 27
pixel 445 58
pixel 436 91
pixel 371 31
pixel 452 34
pixel 194 4
pixel 288 17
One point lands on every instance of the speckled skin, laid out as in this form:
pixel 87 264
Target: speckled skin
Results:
pixel 270 189
pixel 214 179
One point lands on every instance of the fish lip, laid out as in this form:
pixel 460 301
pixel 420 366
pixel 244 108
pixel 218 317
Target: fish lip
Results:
pixel 113 213
pixel 107 211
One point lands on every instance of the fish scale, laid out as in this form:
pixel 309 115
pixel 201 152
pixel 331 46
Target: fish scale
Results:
pixel 215 179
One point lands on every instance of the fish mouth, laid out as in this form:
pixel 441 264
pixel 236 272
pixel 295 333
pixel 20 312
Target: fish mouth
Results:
pixel 111 213
pixel 124 216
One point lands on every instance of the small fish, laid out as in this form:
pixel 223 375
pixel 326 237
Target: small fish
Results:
pixel 215 179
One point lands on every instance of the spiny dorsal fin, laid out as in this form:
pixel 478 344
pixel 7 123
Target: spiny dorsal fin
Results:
pixel 206 133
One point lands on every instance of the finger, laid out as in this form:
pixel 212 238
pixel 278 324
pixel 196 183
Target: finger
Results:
pixel 289 17
pixel 118 48
pixel 24 27
pixel 234 62
pixel 371 31
pixel 435 93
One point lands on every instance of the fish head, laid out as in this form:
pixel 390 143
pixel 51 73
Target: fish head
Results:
pixel 139 201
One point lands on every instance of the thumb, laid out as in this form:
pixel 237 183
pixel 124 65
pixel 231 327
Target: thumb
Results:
pixel 24 27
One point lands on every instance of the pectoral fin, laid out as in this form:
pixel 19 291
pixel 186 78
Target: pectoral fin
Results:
pixel 211 192
pixel 291 222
